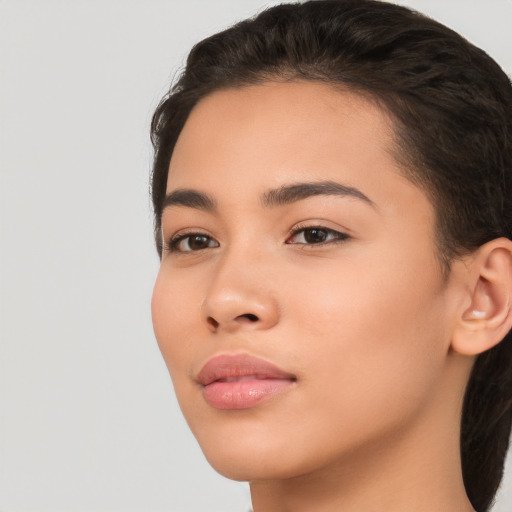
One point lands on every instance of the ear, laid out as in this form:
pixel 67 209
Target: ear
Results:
pixel 488 318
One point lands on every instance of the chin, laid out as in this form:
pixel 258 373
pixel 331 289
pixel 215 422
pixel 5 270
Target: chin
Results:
pixel 244 468
pixel 263 453
pixel 246 454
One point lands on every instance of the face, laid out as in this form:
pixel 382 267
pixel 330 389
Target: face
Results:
pixel 300 306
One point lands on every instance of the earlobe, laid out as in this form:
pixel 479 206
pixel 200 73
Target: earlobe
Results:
pixel 488 319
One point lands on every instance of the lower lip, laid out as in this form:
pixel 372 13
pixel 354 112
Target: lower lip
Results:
pixel 243 394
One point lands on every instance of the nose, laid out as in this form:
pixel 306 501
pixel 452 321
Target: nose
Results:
pixel 240 297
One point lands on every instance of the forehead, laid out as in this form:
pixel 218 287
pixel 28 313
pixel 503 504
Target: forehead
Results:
pixel 239 143
pixel 294 126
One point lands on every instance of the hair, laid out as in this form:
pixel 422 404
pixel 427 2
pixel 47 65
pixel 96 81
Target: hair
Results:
pixel 451 105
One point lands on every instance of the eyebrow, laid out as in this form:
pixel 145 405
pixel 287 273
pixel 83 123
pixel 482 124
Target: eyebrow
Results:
pixel 190 199
pixel 281 196
pixel 298 191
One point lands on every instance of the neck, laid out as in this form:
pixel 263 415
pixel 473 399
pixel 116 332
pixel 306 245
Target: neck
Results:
pixel 385 482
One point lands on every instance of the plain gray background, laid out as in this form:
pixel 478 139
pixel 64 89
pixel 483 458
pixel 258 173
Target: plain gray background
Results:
pixel 88 419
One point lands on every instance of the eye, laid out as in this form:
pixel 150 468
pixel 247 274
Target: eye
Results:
pixel 189 242
pixel 316 235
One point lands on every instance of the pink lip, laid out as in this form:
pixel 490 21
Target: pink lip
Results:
pixel 241 381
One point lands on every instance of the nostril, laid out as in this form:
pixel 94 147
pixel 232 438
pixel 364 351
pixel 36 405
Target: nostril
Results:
pixel 250 317
pixel 212 322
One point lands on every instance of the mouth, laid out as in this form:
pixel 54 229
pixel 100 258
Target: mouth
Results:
pixel 241 381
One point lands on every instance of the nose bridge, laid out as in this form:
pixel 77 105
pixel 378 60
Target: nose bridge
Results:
pixel 240 293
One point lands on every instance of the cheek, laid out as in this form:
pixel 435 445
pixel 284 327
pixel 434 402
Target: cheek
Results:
pixel 374 332
pixel 174 310
pixel 393 294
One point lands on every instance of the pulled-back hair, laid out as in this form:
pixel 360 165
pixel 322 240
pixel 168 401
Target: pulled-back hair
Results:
pixel 452 110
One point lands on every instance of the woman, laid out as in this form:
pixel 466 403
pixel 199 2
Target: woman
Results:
pixel 331 192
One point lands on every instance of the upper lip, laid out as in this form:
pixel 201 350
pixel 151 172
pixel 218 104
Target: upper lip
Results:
pixel 235 366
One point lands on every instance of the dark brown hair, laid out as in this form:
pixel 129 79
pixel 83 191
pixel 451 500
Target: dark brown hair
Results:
pixel 452 109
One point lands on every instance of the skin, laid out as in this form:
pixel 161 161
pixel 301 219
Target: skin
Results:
pixel 365 322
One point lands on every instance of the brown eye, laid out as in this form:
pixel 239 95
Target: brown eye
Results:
pixel 192 242
pixel 316 235
pixel 197 242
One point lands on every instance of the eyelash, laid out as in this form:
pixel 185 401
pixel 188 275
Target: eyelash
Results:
pixel 338 236
pixel 172 245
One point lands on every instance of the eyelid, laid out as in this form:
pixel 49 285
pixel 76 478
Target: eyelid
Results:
pixel 341 235
pixel 172 242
